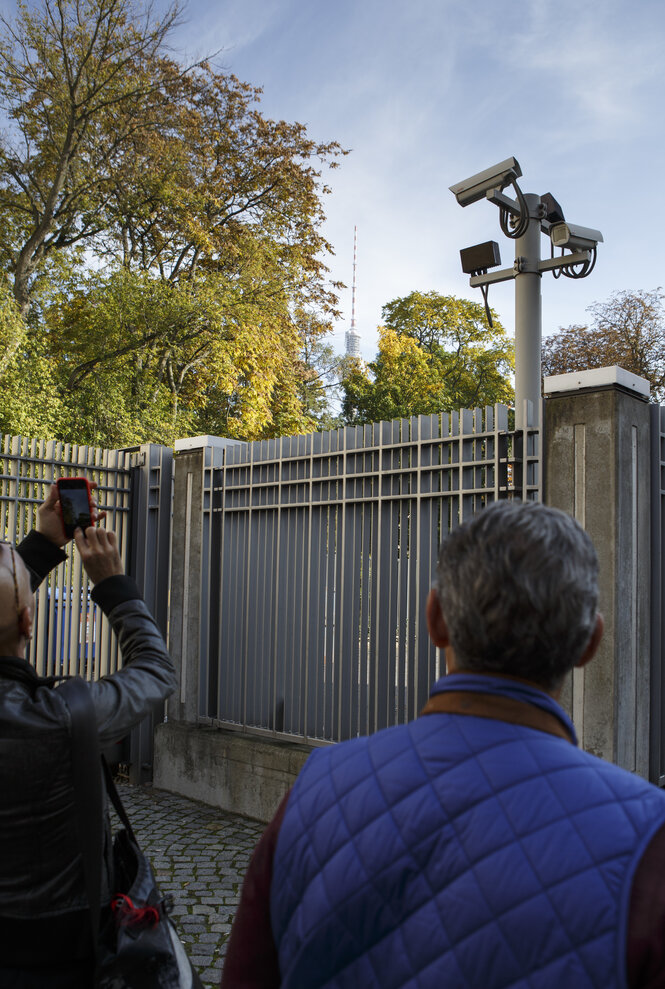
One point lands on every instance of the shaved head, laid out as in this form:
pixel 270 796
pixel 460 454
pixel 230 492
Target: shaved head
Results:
pixel 10 611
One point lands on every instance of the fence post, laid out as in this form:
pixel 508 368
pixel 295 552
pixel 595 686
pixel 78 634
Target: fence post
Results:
pixel 184 630
pixel 151 479
pixel 189 603
pixel 597 468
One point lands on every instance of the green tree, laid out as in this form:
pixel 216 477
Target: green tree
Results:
pixel 79 79
pixel 30 403
pixel 435 353
pixel 197 355
pixel 627 330
pixel 208 285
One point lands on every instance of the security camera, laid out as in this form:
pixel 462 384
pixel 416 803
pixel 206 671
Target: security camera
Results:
pixel 574 238
pixel 497 177
pixel 480 257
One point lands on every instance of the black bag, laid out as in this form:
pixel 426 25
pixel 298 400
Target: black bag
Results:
pixel 137 947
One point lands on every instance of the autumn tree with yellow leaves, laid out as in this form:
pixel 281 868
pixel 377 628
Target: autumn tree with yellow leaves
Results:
pixel 161 238
pixel 436 353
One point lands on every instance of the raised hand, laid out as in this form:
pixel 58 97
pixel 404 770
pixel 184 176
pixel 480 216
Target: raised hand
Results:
pixel 99 553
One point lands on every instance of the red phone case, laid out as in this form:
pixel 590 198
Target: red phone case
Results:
pixel 69 521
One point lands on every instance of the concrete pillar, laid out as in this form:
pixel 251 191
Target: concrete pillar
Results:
pixel 195 459
pixel 185 603
pixel 597 468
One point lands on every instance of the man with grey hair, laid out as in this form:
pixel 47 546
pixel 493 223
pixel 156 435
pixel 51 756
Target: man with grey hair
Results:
pixel 476 846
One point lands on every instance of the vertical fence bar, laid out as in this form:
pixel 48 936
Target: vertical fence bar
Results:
pixel 657 698
pixel 365 589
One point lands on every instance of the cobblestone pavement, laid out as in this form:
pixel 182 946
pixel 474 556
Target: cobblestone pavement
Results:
pixel 199 854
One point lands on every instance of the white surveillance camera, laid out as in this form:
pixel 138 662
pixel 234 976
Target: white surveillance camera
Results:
pixel 573 237
pixel 497 177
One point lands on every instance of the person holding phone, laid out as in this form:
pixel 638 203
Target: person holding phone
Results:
pixel 44 925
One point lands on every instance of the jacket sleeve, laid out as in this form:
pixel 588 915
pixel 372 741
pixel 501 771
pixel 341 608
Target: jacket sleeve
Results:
pixel 147 676
pixel 645 948
pixel 40 556
pixel 251 960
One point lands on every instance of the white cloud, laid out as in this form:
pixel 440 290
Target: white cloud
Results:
pixel 597 60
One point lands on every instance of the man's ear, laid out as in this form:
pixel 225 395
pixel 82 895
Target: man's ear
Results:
pixel 594 642
pixel 25 622
pixel 436 623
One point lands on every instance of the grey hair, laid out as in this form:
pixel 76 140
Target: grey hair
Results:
pixel 518 588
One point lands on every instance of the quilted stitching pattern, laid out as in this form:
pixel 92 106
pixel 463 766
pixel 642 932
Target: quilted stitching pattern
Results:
pixel 456 848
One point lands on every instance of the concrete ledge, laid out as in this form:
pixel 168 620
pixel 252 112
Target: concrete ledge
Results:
pixel 240 773
pixel 189 443
pixel 595 379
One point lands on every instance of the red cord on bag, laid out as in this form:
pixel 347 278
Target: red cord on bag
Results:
pixel 136 918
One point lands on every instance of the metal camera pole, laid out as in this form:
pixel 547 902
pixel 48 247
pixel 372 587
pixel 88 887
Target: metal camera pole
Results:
pixel 528 315
pixel 523 220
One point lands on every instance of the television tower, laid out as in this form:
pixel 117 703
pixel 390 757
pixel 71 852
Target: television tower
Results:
pixel 352 335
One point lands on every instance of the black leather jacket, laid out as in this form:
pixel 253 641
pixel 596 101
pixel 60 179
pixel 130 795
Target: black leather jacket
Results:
pixel 41 873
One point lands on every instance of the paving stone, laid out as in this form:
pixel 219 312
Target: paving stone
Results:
pixel 211 976
pixel 199 855
pixel 199 960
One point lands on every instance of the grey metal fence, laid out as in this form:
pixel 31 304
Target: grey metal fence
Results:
pixel 657 694
pixel 71 636
pixel 316 555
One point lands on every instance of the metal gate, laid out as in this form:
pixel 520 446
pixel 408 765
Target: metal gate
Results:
pixel 315 555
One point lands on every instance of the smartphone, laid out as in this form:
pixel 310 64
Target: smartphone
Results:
pixel 75 503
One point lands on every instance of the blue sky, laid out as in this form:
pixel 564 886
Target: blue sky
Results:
pixel 427 92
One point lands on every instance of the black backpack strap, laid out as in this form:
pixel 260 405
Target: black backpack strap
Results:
pixel 87 780
pixel 114 797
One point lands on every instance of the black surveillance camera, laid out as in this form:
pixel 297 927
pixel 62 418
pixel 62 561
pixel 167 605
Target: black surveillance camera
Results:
pixel 480 257
pixel 553 212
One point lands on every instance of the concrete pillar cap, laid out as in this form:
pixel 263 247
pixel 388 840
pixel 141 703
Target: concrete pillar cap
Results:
pixel 199 442
pixel 597 377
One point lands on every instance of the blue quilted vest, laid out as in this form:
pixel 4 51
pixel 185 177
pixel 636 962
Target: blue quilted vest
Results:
pixel 459 852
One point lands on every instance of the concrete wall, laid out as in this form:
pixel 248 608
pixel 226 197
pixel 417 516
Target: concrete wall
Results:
pixel 597 468
pixel 244 774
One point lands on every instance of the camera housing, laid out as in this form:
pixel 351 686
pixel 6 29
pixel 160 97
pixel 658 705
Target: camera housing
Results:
pixel 476 187
pixel 574 237
pixel 552 209
pixel 480 257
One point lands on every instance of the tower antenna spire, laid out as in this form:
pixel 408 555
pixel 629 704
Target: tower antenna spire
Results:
pixel 352 335
pixel 353 288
